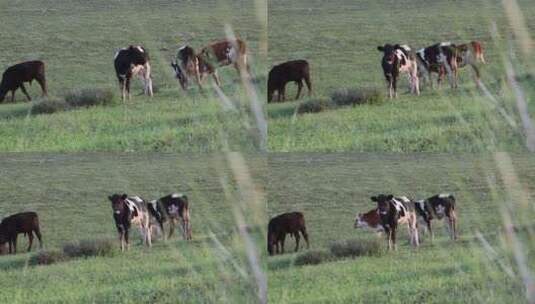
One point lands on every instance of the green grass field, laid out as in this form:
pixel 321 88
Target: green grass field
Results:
pixel 331 188
pixel 340 39
pixel 69 192
pixel 78 39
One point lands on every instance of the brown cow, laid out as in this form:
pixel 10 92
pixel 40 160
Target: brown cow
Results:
pixel 25 222
pixel 15 76
pixel 287 223
pixel 226 52
pixel 470 54
pixel 369 220
pixel 190 65
pixel 280 75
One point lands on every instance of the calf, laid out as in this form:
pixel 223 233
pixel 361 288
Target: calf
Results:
pixel 393 211
pixel 280 75
pixel 129 62
pixel 470 54
pixel 399 59
pixel 127 211
pixel 441 58
pixel 226 52
pixel 15 76
pixel 287 223
pixel 369 220
pixel 172 207
pixel 25 222
pixel 188 65
pixel 438 206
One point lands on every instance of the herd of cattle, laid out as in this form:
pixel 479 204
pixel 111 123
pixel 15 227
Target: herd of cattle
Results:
pixel 134 61
pixel 443 58
pixel 127 211
pixel 390 211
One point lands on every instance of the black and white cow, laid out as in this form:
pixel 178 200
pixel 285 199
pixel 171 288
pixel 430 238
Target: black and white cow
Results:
pixel 129 62
pixel 172 207
pixel 438 206
pixel 441 58
pixel 393 211
pixel 399 59
pixel 128 210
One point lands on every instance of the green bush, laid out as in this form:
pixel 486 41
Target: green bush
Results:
pixel 312 257
pixel 356 247
pixel 48 257
pixel 88 248
pixel 89 97
pixel 313 106
pixel 48 106
pixel 352 97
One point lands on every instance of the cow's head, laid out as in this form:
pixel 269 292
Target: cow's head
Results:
pixel 180 75
pixel 118 204
pixel 383 203
pixel 389 52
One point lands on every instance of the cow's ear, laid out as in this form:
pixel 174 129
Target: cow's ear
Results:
pixel 373 198
pixel 124 196
pixel 389 197
pixel 381 49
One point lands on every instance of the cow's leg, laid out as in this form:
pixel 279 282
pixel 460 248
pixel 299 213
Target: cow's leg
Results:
pixel 429 228
pixel 171 227
pixel 30 241
pixel 127 87
pixel 42 83
pixel 299 88
pixel 216 78
pixel 309 84
pixel 148 229
pixel 305 236
pixel 15 243
pixel 38 234
pixel 476 70
pixel 121 241
pixel 10 242
pixel 414 227
pixel 23 88
pixel 127 239
pixel 297 237
pixel 282 93
pixel 13 95
pixel 283 238
pixel 394 86
pixel 453 223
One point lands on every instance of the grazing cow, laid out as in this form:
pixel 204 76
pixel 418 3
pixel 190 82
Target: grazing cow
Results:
pixel 131 210
pixel 173 207
pixel 394 211
pixel 287 223
pixel 369 220
pixel 438 206
pixel 399 59
pixel 129 62
pixel 226 52
pixel 25 222
pixel 15 76
pixel 280 75
pixel 188 64
pixel 441 58
pixel 470 54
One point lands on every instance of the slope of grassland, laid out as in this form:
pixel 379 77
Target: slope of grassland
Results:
pixel 69 192
pixel 78 39
pixel 331 188
pixel 340 39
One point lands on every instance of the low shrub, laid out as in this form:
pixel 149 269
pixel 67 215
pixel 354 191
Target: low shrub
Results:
pixel 356 247
pixel 313 106
pixel 44 257
pixel 356 96
pixel 89 97
pixel 48 106
pixel 312 257
pixel 88 248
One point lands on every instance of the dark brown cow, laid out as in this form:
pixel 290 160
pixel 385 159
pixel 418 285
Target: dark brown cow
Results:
pixel 226 52
pixel 15 76
pixel 25 222
pixel 280 75
pixel 287 223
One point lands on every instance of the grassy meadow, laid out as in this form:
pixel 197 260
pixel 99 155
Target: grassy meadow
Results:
pixel 340 38
pixel 69 192
pixel 492 192
pixel 77 41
